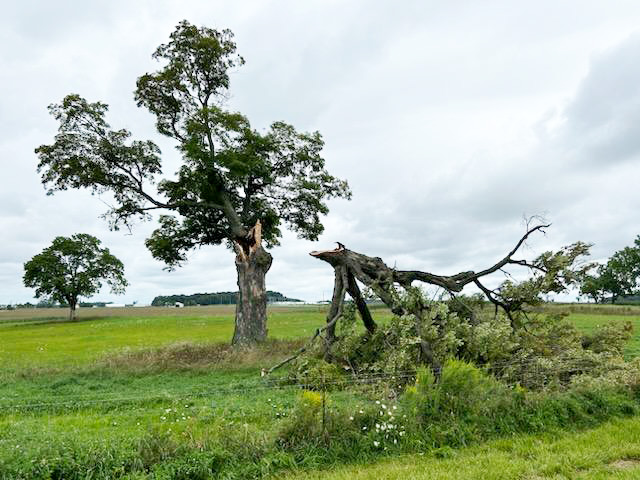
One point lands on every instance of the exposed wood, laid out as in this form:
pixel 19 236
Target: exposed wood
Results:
pixel 337 302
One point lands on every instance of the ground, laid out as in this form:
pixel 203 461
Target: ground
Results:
pixel 120 376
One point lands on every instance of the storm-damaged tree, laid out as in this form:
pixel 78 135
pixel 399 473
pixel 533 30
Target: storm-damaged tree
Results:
pixel 236 185
pixel 552 272
pixel 73 267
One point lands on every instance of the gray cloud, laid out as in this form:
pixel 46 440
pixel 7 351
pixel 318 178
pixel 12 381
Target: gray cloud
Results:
pixel 450 122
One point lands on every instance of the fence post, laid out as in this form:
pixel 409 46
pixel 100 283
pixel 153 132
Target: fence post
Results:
pixel 325 434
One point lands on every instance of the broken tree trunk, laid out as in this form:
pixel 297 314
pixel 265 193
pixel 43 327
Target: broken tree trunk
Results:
pixel 252 264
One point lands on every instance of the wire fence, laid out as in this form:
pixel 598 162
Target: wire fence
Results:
pixel 535 373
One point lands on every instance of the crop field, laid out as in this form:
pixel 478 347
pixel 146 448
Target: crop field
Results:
pixel 134 384
pixel 48 340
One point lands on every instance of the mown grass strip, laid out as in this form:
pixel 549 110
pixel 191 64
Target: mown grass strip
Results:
pixel 609 451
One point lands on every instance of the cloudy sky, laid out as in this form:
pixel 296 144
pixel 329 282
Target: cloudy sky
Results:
pixel 451 121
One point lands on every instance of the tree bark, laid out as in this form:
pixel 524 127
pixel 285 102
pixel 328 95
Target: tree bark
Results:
pixel 354 291
pixel 252 264
pixel 72 310
pixel 339 289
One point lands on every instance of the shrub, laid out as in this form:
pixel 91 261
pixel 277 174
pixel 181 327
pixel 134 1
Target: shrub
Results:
pixel 305 423
pixel 611 338
pixel 468 405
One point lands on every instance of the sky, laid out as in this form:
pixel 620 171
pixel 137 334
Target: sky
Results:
pixel 452 121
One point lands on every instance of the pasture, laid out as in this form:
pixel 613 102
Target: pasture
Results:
pixel 134 386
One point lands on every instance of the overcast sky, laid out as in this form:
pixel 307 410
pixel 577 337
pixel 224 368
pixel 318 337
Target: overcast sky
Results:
pixel 450 120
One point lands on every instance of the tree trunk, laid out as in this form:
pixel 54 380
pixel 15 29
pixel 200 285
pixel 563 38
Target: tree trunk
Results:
pixel 252 264
pixel 72 310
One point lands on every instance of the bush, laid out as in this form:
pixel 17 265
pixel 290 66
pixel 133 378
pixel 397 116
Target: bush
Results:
pixel 305 423
pixel 468 405
pixel 611 338
pixel 314 373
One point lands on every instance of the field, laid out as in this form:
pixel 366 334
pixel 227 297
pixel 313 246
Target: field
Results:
pixel 119 379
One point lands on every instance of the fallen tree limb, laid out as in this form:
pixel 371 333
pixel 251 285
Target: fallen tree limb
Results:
pixel 351 267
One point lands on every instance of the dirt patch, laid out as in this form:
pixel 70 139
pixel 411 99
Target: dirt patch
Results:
pixel 625 463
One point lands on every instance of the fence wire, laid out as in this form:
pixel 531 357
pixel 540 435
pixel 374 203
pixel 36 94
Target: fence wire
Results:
pixel 538 376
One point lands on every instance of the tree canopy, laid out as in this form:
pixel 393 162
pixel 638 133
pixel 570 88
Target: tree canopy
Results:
pixel 73 267
pixel 233 175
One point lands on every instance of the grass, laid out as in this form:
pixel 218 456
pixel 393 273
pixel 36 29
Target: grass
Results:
pixel 103 385
pixel 42 342
pixel 611 451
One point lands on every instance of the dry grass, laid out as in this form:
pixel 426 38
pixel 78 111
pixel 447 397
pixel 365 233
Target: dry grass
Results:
pixel 625 464
pixel 184 355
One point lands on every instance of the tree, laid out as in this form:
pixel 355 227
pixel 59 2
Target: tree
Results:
pixel 593 286
pixel 71 268
pixel 619 277
pixel 236 185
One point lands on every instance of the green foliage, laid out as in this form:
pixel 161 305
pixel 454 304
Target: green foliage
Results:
pixel 542 351
pixel 317 374
pixel 552 272
pixel 73 267
pixel 462 391
pixel 396 345
pixel 611 337
pixel 467 405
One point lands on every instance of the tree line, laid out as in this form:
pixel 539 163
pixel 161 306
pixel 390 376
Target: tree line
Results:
pixel 218 298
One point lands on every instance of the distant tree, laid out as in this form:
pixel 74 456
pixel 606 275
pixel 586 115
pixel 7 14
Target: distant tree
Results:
pixel 236 185
pixel 592 286
pixel 622 272
pixel 619 277
pixel 71 268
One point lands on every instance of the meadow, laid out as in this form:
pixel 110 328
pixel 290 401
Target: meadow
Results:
pixel 129 388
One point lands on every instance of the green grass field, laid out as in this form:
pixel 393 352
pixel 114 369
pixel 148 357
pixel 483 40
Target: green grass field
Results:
pixel 45 339
pixel 122 376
